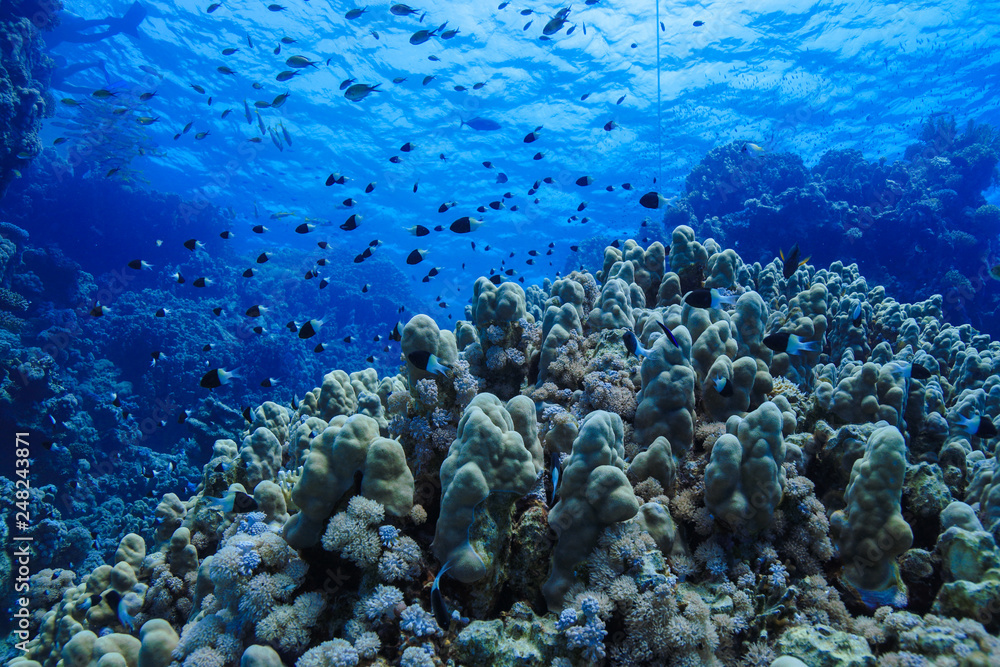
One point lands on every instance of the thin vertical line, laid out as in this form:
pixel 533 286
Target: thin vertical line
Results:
pixel 659 122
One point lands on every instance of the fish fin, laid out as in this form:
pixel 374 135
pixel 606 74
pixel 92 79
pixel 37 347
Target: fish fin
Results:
pixel 781 254
pixel 803 262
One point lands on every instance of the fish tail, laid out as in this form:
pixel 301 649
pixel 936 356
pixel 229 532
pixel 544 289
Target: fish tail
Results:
pixel 811 346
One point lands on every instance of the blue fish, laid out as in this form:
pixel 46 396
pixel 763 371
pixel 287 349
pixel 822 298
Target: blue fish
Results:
pixel 670 334
pixel 426 361
pixel 980 425
pixel 556 474
pixel 481 124
pixel 438 606
pixel 789 343
pixel 708 298
pixel 633 345
pixel 723 386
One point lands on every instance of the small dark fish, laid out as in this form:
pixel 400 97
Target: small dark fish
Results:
pixel 620 100
pixel 262 257
pixel 980 425
pixel 370 187
pixel 217 377
pixel 402 10
pixel 584 181
pixel 419 230
pixel 234 501
pixel 633 346
pixel 351 223
pixel 708 298
pixel 192 244
pixel 441 614
pixel 481 124
pixel 791 263
pixel 670 334
pixel 310 328
pixel 346 82
pixel 355 13
pixel 421 36
pixel 465 224
pixel 653 200
pixel 416 256
pixel 698 24
pixel 723 386
pixel 857 315
pixel 299 62
pixel 360 91
pixel 426 361
pixel 789 343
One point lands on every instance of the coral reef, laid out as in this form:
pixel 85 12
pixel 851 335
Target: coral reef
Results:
pixel 604 508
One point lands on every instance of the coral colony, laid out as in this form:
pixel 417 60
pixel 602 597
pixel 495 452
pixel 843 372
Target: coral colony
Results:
pixel 532 492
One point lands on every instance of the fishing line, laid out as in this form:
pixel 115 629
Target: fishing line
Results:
pixel 659 121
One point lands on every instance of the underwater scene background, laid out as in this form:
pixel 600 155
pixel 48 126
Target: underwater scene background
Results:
pixel 605 333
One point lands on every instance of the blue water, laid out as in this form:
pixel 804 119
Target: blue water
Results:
pixel 803 78
pixel 765 100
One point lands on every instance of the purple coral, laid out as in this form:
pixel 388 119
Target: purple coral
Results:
pixel 249 562
pixel 417 621
pixel 427 392
pixel 589 636
pixel 388 535
pixel 253 524
pixel 382 602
